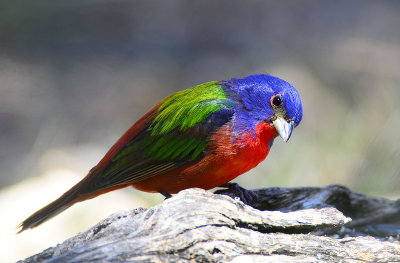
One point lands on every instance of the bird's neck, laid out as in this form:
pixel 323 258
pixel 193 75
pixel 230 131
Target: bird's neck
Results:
pixel 262 135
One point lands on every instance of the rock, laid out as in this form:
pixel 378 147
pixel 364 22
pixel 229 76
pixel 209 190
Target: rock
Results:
pixel 378 217
pixel 199 226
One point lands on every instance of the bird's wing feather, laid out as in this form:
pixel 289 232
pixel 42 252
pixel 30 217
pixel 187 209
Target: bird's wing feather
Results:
pixel 177 134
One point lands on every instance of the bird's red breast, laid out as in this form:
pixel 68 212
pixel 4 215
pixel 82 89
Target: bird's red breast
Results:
pixel 226 159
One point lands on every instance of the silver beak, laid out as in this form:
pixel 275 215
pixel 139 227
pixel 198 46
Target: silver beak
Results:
pixel 283 127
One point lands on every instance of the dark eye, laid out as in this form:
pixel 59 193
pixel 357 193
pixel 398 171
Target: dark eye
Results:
pixel 276 101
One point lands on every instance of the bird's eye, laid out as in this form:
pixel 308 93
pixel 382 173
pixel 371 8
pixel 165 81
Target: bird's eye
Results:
pixel 276 101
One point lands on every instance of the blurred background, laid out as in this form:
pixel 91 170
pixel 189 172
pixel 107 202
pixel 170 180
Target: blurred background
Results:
pixel 74 75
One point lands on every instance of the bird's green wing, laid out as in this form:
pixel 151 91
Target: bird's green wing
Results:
pixel 178 133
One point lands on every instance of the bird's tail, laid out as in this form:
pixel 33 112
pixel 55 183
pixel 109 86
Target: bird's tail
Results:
pixel 69 198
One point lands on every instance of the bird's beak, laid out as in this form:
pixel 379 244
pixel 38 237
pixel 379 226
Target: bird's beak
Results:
pixel 283 127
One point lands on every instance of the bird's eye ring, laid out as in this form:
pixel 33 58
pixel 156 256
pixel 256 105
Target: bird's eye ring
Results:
pixel 276 101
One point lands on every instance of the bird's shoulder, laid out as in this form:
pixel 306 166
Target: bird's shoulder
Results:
pixel 187 108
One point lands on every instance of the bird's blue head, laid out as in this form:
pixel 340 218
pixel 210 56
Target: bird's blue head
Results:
pixel 261 98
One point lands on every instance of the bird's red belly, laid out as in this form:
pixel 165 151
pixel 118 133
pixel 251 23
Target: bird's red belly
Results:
pixel 225 161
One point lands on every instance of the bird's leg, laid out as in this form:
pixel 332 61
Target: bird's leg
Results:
pixel 234 190
pixel 165 194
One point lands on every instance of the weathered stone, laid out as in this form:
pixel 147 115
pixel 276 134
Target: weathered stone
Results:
pixel 199 226
pixel 374 216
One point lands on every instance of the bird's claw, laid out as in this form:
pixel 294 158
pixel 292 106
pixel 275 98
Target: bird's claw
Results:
pixel 166 194
pixel 235 191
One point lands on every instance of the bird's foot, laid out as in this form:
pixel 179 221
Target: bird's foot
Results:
pixel 166 194
pixel 234 190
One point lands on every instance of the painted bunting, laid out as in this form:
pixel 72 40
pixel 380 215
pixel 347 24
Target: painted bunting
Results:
pixel 203 136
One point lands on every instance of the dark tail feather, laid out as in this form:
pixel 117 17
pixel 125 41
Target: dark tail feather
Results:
pixel 54 208
pixel 86 189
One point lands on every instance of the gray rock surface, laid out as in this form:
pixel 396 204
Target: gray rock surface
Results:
pixel 373 216
pixel 199 226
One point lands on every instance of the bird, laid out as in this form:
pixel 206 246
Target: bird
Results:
pixel 203 137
